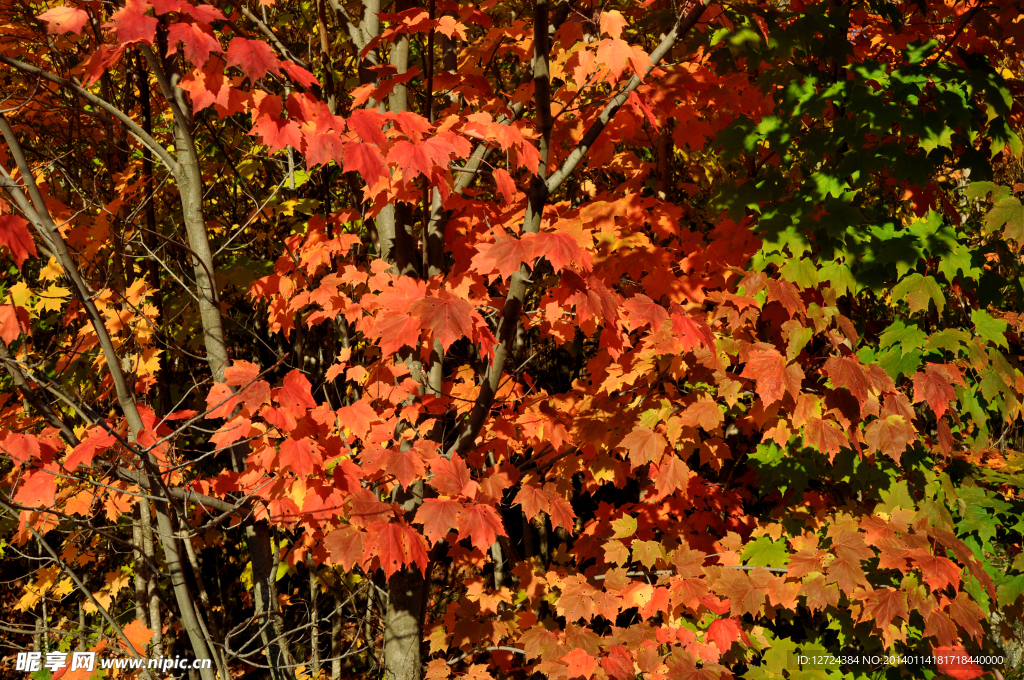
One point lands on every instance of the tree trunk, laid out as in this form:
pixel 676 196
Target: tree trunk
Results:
pixel 403 623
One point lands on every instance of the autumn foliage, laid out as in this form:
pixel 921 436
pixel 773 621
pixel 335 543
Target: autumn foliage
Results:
pixel 513 340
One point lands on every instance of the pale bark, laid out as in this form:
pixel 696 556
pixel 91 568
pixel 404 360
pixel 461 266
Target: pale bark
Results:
pixel 39 216
pixel 403 626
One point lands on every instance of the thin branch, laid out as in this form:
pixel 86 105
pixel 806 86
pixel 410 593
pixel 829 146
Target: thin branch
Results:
pixel 130 124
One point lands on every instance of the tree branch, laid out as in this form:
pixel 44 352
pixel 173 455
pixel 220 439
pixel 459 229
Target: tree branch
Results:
pixel 130 124
pixel 682 26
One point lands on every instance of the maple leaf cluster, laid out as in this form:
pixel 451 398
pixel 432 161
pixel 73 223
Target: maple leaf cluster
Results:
pixel 626 344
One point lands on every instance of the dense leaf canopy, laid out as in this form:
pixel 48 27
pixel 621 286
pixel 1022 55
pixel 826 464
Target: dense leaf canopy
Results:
pixel 513 340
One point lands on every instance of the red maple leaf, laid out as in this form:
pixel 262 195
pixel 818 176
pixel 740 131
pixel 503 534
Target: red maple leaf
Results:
pixel 324 147
pixel 767 367
pixel 643 311
pixel 787 295
pixel 746 591
pixel 241 373
pixel 562 514
pixel 882 605
pixel 938 624
pixel 277 133
pixel 644 445
pixel 299 75
pixel 405 465
pixel 618 664
pixel 935 386
pixel 890 435
pixel 967 614
pixel 955 662
pixel 132 25
pixel 294 395
pixel 98 440
pixel 15 236
pixel 937 571
pixel 301 455
pixel 357 418
pixel 505 255
pixel 642 109
pixel 412 125
pixel 346 546
pixel 448 318
pixel 254 57
pixel 693 332
pixel 204 13
pixel 231 431
pixel 64 19
pixel 612 22
pixel 138 636
pixel 396 330
pixel 221 401
pixel 13 322
pixel 198 40
pixel 672 474
pixel 581 664
pixel 848 372
pixel 826 436
pixel 366 160
pixel 615 54
pixel 560 250
pixel 414 159
pixel 367 124
pixel 451 477
pixel 22 448
pixel 532 500
pixel 576 599
pixel 396 545
pixel 438 516
pixel 724 632
pixel 481 524
pixel 367 508
pixel 506 186
pixel 846 572
pixel 704 413
pixel 253 393
pixel 38 487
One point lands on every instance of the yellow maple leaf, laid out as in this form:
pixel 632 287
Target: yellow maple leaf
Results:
pixel 52 299
pixel 20 294
pixel 150 361
pixel 51 271
pixel 28 600
pixel 116 580
pixel 136 292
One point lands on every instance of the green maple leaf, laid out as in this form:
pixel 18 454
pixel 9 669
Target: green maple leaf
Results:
pixel 839 277
pixel 959 260
pixel 1010 590
pixel 800 271
pixel 981 189
pixel 949 340
pixel 905 338
pixel 989 328
pixel 1007 214
pixel 776 659
pixel 895 363
pixel 918 291
pixel 765 552
pixel 936 137
pixel 977 519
